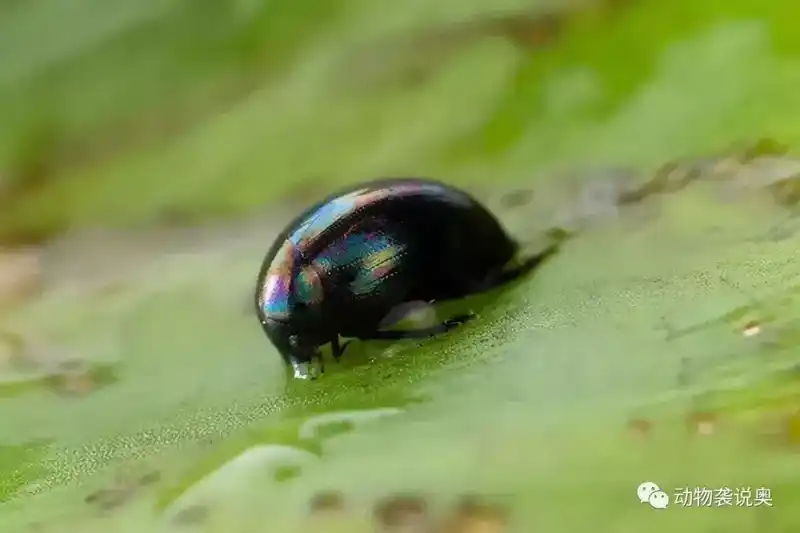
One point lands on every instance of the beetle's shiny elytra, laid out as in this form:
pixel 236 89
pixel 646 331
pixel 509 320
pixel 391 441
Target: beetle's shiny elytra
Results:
pixel 342 266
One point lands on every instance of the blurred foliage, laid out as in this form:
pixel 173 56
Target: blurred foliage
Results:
pixel 133 74
pixel 148 86
pixel 215 108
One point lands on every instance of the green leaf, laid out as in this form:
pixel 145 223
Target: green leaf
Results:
pixel 658 346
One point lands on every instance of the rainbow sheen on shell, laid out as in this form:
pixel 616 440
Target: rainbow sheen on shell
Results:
pixel 287 283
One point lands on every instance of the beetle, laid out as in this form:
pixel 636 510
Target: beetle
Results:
pixel 353 263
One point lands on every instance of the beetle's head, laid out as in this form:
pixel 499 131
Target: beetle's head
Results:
pixel 298 351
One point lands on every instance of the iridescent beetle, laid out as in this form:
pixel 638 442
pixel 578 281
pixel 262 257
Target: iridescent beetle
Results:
pixel 348 266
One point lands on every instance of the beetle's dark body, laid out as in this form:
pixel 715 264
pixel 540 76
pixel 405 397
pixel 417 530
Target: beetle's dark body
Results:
pixel 344 264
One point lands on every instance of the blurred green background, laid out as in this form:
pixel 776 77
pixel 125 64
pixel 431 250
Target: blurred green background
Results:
pixel 181 110
pixel 157 114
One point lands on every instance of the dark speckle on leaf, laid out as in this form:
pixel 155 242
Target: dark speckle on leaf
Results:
pixel 516 198
pixel 108 499
pixel 326 501
pixel 195 514
pixel 402 512
pixel 701 423
pixel 150 478
pixel 474 516
pixel 640 427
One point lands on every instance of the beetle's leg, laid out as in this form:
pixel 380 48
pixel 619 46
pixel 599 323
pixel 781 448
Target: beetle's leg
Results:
pixel 528 266
pixel 338 348
pixel 390 335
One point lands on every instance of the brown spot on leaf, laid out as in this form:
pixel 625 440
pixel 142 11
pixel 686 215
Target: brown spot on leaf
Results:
pixel 403 513
pixel 670 177
pixel 76 377
pixel 527 31
pixel 326 501
pixel 150 478
pixel 108 499
pixel 785 192
pixel 515 199
pixel 328 511
pixel 472 516
pixel 192 515
pixel 73 378
pixel 123 488
pixel 20 274
pixel 701 423
pixel 640 427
